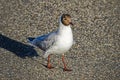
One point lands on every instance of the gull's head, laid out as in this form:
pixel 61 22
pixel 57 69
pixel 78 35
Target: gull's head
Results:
pixel 66 20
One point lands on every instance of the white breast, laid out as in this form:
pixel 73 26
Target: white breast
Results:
pixel 65 39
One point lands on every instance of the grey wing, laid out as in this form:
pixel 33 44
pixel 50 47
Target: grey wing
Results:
pixel 47 41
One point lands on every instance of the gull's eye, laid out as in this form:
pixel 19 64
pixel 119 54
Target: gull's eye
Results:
pixel 64 19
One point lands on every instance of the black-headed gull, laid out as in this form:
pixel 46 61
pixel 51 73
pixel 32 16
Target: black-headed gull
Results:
pixel 57 42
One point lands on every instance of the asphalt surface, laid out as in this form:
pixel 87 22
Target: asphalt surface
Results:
pixel 95 56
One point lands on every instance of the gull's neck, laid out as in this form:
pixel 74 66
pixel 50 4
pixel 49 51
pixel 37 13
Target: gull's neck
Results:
pixel 62 27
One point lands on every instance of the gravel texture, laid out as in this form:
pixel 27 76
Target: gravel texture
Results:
pixel 95 56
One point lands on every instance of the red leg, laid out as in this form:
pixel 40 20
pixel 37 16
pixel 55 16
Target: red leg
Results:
pixel 48 64
pixel 65 68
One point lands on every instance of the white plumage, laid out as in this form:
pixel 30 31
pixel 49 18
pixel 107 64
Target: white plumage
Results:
pixel 63 42
pixel 57 42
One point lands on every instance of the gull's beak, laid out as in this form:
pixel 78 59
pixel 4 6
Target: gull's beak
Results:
pixel 71 23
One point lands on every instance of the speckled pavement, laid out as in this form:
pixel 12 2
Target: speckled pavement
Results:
pixel 95 56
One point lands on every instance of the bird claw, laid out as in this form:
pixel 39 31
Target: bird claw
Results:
pixel 65 69
pixel 50 67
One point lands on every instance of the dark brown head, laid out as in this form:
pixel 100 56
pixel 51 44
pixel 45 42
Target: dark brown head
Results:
pixel 66 19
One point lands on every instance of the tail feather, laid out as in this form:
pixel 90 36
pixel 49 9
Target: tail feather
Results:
pixel 30 40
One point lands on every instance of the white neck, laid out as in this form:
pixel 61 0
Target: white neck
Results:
pixel 62 27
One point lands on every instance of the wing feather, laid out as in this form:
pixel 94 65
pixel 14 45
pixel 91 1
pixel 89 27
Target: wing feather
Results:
pixel 46 41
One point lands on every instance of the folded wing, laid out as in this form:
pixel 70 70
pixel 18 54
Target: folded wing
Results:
pixel 44 42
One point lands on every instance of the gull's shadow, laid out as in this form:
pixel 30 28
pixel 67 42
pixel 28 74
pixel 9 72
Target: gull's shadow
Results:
pixel 18 48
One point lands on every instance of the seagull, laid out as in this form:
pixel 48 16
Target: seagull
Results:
pixel 57 42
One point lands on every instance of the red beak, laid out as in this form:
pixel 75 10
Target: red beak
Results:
pixel 71 23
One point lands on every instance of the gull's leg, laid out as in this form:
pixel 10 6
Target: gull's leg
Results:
pixel 48 64
pixel 65 68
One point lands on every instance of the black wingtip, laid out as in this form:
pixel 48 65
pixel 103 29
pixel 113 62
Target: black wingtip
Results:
pixel 30 38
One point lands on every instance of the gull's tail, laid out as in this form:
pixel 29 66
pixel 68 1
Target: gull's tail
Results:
pixel 30 40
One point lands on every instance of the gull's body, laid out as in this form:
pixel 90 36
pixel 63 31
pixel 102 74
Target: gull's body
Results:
pixel 57 42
